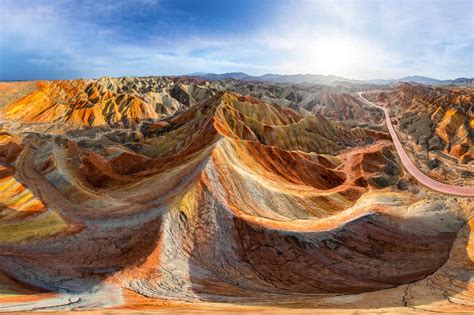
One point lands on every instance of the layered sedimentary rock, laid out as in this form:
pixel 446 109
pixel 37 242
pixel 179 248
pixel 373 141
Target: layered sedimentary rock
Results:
pixel 127 192
pixel 438 125
pixel 444 117
pixel 336 103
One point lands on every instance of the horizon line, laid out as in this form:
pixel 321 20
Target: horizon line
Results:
pixel 202 74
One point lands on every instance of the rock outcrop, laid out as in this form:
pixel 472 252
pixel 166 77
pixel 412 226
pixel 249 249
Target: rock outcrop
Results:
pixel 128 192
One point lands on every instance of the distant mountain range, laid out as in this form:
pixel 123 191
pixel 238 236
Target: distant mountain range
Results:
pixel 425 80
pixel 325 79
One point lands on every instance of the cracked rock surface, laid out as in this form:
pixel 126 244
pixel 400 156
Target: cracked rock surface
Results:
pixel 178 194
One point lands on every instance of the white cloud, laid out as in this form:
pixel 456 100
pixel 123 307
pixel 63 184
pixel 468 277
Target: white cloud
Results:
pixel 355 39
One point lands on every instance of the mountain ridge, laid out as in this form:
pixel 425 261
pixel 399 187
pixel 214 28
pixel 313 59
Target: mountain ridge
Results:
pixel 127 192
pixel 326 79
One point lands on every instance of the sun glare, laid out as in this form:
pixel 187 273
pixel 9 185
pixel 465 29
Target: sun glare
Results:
pixel 334 56
pixel 342 55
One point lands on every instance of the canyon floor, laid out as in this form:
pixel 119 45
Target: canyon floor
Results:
pixel 183 195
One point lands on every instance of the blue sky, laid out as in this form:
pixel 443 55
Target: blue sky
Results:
pixel 63 39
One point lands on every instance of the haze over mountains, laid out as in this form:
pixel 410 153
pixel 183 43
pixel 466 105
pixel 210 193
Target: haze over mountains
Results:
pixel 326 79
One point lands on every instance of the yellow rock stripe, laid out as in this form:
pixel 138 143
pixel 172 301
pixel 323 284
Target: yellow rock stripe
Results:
pixel 37 227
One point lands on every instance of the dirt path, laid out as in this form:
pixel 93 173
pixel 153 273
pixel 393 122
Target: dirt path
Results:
pixel 413 170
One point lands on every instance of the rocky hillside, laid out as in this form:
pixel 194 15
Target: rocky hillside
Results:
pixel 144 192
pixel 336 103
pixel 438 118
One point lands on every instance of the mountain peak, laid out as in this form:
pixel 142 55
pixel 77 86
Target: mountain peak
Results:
pixel 328 79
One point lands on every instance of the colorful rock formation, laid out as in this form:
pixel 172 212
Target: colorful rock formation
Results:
pixel 126 193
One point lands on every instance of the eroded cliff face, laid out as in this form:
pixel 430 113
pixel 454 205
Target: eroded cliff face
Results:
pixel 437 124
pixel 335 103
pixel 127 192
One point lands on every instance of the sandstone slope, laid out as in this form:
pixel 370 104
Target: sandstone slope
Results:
pixel 114 199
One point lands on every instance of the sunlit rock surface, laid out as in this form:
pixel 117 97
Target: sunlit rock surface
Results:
pixel 178 194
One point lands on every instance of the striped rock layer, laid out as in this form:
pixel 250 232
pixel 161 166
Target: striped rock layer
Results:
pixel 127 192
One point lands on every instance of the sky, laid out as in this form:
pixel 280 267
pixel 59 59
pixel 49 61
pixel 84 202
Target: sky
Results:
pixel 364 39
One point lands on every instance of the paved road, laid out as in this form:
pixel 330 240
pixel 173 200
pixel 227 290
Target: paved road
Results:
pixel 413 170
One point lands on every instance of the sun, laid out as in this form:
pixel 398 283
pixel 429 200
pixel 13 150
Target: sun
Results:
pixel 344 56
pixel 334 56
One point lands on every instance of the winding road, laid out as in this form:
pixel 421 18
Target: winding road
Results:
pixel 413 170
